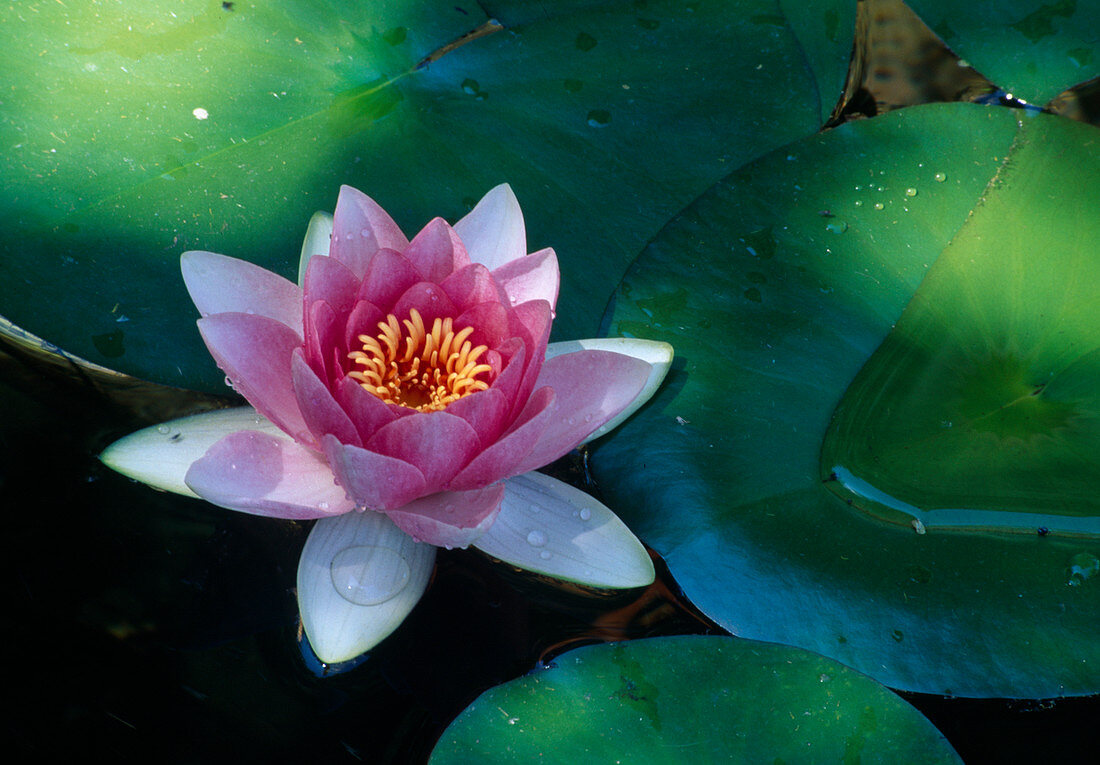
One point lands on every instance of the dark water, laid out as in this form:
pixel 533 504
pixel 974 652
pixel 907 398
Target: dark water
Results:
pixel 148 627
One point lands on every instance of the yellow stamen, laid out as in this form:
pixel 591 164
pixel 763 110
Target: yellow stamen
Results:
pixel 419 369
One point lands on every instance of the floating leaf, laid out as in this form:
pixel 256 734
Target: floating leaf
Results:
pixel 870 449
pixel 1030 48
pixel 132 135
pixel 691 699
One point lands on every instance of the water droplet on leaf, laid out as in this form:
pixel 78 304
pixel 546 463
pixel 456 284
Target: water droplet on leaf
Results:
pixel 598 118
pixel 585 41
pixel 1082 566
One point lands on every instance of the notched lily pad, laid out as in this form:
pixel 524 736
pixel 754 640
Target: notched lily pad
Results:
pixel 981 409
pixel 883 443
pixel 1033 49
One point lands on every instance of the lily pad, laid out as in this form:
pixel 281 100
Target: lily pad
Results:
pixel 691 699
pixel 1030 48
pixel 132 135
pixel 881 443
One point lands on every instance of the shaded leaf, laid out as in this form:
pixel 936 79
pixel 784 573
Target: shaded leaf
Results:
pixel 133 135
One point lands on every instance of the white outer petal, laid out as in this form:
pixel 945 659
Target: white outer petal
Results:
pixel 161 454
pixel 338 629
pixel 317 241
pixel 551 528
pixel 493 232
pixel 656 353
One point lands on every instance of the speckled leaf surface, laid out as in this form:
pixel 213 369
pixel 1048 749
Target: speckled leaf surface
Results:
pixel 691 700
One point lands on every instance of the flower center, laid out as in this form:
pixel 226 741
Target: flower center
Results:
pixel 425 370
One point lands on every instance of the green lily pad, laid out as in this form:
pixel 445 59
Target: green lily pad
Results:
pixel 1032 49
pixel 132 135
pixel 873 450
pixel 691 699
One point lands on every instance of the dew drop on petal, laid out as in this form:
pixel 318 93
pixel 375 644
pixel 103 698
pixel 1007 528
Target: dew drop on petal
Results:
pixel 585 514
pixel 536 538
pixel 163 429
pixel 546 555
pixel 322 506
pixel 367 575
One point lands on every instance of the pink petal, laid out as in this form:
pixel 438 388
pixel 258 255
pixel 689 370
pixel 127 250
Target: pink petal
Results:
pixel 438 444
pixel 490 323
pixel 511 376
pixel 219 284
pixel 485 412
pixel 367 411
pixel 590 388
pixel 319 409
pixel 493 231
pixel 428 299
pixel 534 277
pixel 450 518
pixel 360 228
pixel 255 352
pixel 322 334
pixel 389 275
pixel 502 459
pixel 531 320
pixel 436 251
pixel 267 475
pixel 363 320
pixel 472 285
pixel 330 280
pixel 373 480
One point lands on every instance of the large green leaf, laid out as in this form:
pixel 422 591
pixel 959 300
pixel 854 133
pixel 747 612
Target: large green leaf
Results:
pixel 134 133
pixel 940 534
pixel 691 699
pixel 1031 48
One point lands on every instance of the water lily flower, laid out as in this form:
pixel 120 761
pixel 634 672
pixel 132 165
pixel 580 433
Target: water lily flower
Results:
pixel 403 394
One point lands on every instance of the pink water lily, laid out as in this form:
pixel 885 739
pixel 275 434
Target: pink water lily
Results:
pixel 406 388
pixel 410 375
